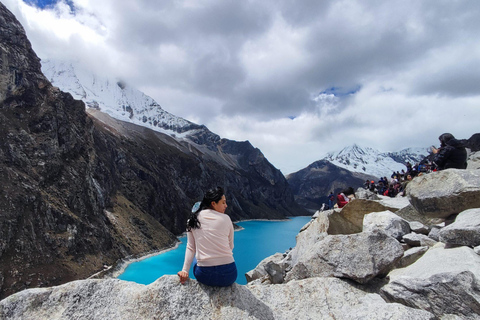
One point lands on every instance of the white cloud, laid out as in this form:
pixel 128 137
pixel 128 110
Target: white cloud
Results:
pixel 278 54
pixel 403 71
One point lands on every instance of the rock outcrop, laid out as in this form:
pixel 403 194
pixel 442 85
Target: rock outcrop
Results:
pixel 433 196
pixel 316 298
pixel 360 257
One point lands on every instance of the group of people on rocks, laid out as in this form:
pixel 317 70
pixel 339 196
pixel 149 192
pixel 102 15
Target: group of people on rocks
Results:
pixel 391 188
pixel 450 154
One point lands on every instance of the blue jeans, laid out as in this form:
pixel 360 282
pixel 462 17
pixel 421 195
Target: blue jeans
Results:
pixel 216 276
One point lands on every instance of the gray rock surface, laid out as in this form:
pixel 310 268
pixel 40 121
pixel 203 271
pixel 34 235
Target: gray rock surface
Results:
pixel 259 271
pixel 435 232
pixel 442 281
pixel 311 233
pixel 389 222
pixel 316 298
pixel 410 256
pixel 366 194
pixel 443 193
pixel 275 271
pixel 359 257
pixel 417 239
pixel 409 213
pixel 393 204
pixel 474 160
pixel 419 227
pixel 464 231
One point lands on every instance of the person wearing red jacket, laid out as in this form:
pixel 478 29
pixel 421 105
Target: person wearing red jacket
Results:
pixel 342 200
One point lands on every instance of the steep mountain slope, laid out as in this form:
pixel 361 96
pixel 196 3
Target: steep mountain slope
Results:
pixel 312 184
pixel 83 190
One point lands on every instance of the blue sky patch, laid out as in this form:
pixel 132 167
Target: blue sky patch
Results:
pixel 47 4
pixel 341 92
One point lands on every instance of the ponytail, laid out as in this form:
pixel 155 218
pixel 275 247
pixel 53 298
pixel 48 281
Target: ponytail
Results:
pixel 212 195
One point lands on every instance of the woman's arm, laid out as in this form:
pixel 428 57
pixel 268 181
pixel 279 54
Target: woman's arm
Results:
pixel 230 236
pixel 189 255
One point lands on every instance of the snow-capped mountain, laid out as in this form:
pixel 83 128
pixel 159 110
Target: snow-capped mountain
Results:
pixel 115 98
pixel 373 162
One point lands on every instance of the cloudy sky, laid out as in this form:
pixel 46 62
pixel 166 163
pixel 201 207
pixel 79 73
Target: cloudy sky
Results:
pixel 297 79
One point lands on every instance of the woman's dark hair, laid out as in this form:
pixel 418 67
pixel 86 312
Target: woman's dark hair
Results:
pixel 214 195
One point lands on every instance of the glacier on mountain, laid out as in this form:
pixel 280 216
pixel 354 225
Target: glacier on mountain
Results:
pixel 115 98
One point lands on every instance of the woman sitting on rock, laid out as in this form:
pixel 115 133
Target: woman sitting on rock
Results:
pixel 210 241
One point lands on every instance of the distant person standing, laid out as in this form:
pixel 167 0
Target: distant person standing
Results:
pixel 210 240
pixel 331 200
pixel 451 154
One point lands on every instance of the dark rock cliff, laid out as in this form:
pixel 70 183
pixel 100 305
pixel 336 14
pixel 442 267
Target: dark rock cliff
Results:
pixel 473 143
pixel 81 190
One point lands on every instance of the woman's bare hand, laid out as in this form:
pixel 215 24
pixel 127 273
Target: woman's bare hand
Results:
pixel 183 276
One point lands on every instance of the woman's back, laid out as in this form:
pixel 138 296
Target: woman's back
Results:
pixel 214 238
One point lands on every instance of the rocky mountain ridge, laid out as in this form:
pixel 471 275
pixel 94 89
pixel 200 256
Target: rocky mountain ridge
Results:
pixel 372 162
pixel 82 190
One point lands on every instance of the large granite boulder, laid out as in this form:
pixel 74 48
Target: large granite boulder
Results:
pixel 317 298
pixel 389 222
pixel 359 257
pixel 464 231
pixel 441 194
pixel 442 281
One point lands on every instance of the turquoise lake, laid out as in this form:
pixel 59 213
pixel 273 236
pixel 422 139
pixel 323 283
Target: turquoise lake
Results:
pixel 258 240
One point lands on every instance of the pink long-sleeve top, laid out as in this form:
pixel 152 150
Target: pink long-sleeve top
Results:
pixel 212 243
